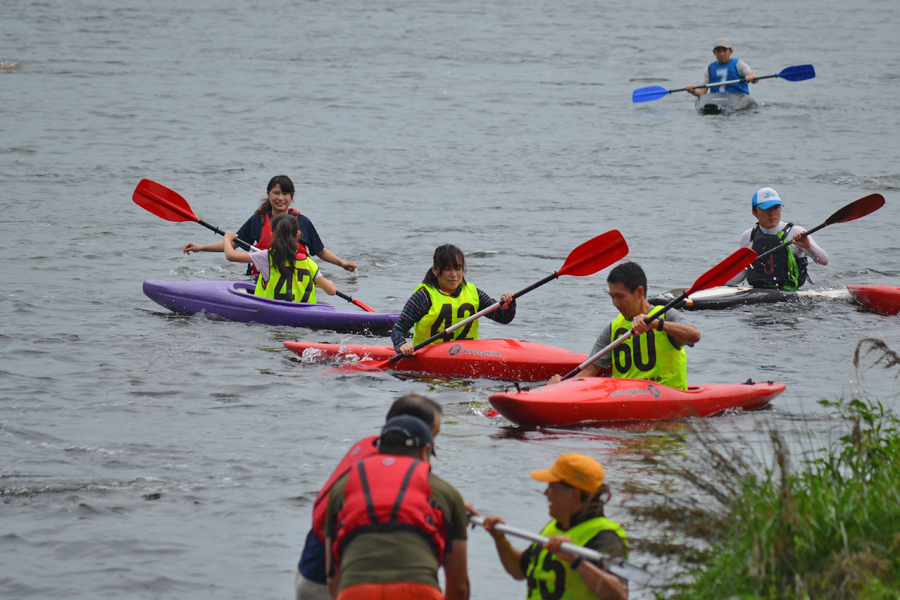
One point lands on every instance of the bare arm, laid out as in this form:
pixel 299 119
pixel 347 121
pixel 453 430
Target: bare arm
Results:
pixel 589 371
pixel 230 252
pixel 214 247
pixel 684 333
pixel 509 556
pixel 456 572
pixel 326 285
pixel 332 579
pixel 329 256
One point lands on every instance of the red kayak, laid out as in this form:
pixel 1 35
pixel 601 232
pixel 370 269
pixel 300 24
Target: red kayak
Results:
pixel 883 299
pixel 509 360
pixel 599 399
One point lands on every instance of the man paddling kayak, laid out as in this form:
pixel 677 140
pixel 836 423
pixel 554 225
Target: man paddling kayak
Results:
pixel 310 580
pixel 576 495
pixel 786 268
pixel 444 298
pixel 658 356
pixel 724 68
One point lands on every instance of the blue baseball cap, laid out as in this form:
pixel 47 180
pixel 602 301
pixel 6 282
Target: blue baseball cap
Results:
pixel 408 431
pixel 765 198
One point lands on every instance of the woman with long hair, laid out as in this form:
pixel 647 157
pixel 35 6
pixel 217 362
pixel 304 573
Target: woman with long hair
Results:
pixel 444 298
pixel 285 271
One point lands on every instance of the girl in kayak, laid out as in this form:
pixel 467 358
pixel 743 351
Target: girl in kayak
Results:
pixel 258 228
pixel 285 271
pixel 444 298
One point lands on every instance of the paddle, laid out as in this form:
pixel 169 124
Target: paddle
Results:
pixel 616 565
pixel 719 274
pixel 654 92
pixel 853 211
pixel 588 258
pixel 171 206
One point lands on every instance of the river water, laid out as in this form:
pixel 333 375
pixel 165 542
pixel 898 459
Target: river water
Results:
pixel 148 455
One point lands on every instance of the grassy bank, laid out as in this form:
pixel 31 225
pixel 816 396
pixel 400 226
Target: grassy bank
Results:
pixel 824 525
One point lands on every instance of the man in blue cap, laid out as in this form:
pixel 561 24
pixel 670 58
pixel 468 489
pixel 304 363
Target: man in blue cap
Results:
pixel 785 269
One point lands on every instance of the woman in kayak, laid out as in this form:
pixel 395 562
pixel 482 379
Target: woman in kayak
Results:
pixel 444 298
pixel 258 228
pixel 285 271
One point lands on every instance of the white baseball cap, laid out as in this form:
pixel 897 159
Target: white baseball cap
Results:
pixel 722 43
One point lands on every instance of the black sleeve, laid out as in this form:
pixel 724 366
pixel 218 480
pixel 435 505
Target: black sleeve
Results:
pixel 251 230
pixel 309 236
pixel 608 542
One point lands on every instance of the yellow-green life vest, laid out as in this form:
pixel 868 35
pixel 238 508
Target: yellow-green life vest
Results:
pixel 550 578
pixel 300 287
pixel 446 311
pixel 650 356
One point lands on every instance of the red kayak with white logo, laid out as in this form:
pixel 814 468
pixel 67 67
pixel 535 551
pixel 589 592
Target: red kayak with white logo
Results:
pixel 602 399
pixel 883 299
pixel 509 360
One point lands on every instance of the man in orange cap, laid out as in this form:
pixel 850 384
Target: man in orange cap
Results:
pixel 576 494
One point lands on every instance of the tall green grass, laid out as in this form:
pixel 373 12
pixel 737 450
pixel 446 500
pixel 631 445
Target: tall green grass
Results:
pixel 826 527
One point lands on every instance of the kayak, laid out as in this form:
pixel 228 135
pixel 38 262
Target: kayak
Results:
pixel 720 104
pixel 601 399
pixel 883 299
pixel 722 297
pixel 509 360
pixel 234 301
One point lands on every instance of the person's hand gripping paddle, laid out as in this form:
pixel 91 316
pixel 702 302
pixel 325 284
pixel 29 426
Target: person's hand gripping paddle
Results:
pixel 853 211
pixel 171 206
pixel 588 258
pixel 718 275
pixel 654 92
pixel 616 565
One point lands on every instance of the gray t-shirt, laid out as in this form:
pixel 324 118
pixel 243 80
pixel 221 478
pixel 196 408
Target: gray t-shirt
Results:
pixel 603 340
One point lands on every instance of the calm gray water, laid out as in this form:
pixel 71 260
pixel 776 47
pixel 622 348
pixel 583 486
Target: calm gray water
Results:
pixel 147 455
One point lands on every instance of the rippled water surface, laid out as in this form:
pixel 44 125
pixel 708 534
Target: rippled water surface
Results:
pixel 149 455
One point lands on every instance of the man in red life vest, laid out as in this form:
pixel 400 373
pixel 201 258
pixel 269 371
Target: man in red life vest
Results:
pixel 391 524
pixel 309 581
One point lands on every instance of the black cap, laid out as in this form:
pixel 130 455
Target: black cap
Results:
pixel 409 431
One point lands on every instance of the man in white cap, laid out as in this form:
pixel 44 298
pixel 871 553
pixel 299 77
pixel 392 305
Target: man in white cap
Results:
pixel 724 68
pixel 784 269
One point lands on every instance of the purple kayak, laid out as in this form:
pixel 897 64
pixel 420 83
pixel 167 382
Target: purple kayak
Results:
pixel 234 301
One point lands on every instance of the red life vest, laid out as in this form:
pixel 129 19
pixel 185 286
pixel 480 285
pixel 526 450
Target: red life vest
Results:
pixel 362 449
pixel 265 239
pixel 389 493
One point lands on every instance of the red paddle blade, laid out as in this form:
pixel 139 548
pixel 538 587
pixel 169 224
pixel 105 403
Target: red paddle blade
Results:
pixel 361 366
pixel 162 202
pixel 595 254
pixel 725 270
pixel 361 305
pixel 857 209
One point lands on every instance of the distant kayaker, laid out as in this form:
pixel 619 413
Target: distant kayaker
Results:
pixel 658 356
pixel 724 68
pixel 444 298
pixel 392 524
pixel 310 579
pixel 576 495
pixel 285 272
pixel 785 269
pixel 258 228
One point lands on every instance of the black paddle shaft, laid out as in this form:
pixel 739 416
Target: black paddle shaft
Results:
pixel 238 241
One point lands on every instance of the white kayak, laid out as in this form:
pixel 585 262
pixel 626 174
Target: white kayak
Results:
pixel 720 104
pixel 721 297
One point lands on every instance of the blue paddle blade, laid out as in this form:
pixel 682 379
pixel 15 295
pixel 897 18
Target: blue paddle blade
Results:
pixel 654 92
pixel 798 73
